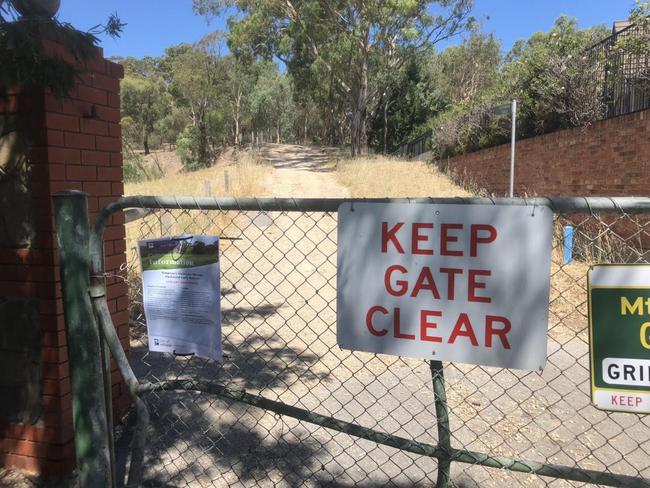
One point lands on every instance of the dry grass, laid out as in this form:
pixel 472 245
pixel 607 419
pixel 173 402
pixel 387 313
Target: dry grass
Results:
pixel 383 176
pixel 242 175
pixel 245 175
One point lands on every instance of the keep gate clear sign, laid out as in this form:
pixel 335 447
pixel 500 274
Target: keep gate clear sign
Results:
pixel 619 337
pixel 466 283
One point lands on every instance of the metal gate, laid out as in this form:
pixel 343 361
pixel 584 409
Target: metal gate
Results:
pixel 287 407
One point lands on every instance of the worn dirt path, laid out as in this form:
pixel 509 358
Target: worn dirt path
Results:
pixel 300 171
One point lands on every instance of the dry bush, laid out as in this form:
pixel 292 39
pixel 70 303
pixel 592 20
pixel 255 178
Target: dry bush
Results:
pixel 390 177
pixel 245 175
pixel 242 176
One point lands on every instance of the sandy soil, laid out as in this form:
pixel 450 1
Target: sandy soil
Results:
pixel 300 171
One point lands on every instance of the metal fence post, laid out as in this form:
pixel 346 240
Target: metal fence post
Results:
pixel 442 421
pixel 84 351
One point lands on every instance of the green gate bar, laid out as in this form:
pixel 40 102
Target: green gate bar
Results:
pixel 92 439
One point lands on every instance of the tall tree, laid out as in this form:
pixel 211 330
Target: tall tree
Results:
pixel 145 101
pixel 197 79
pixel 349 38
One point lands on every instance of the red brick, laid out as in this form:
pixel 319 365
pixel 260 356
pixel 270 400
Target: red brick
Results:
pixel 52 103
pixel 115 130
pixel 76 108
pixel 56 387
pixel 119 246
pixel 81 173
pixel 98 65
pixel 108 114
pixel 116 70
pixel 55 370
pixel 79 141
pixel 93 126
pixel 62 122
pixel 98 158
pixel 63 155
pixel 107 82
pixel 54 354
pixel 117 188
pixel 122 303
pixel 110 174
pixel 97 188
pixel 59 186
pixel 116 159
pixel 113 100
pixel 91 95
pixel 109 144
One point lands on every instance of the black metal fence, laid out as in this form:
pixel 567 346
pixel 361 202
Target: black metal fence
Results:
pixel 415 147
pixel 624 58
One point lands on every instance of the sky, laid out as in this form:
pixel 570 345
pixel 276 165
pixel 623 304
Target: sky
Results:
pixel 152 25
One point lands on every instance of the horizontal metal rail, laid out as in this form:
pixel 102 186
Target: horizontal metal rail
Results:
pixel 631 205
pixel 459 455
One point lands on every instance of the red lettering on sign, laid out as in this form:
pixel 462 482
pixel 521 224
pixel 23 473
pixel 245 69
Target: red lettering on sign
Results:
pixel 478 236
pixel 391 236
pixel 425 282
pixel 451 280
pixel 371 312
pixel 417 237
pixel 426 325
pixel 402 286
pixel 445 239
pixel 502 332
pixel 463 328
pixel 396 325
pixel 473 285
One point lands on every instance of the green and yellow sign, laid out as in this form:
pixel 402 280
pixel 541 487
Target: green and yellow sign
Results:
pixel 619 337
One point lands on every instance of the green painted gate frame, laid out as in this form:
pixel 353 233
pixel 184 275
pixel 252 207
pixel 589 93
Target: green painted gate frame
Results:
pixel 87 313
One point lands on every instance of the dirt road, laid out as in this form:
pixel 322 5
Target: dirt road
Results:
pixel 300 171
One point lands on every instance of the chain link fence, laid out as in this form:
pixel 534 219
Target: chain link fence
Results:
pixel 278 265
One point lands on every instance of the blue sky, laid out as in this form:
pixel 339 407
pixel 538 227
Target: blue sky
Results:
pixel 156 24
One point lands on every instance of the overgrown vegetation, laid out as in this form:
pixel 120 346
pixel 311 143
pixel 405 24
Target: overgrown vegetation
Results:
pixel 25 61
pixel 360 74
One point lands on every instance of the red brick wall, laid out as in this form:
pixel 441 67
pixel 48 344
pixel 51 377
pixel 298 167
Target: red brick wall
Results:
pixel 611 157
pixel 76 144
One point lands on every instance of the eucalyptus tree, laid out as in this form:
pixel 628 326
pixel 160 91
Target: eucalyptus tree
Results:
pixel 351 40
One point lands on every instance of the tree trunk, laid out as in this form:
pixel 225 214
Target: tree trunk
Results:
pixel 236 117
pixel 386 126
pixel 145 143
pixel 305 128
pixel 203 145
pixel 277 132
pixel 359 106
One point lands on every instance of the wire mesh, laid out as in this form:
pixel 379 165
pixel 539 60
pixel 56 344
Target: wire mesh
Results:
pixel 278 331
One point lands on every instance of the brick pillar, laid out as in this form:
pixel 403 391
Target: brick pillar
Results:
pixel 49 145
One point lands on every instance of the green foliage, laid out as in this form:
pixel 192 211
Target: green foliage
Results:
pixel 347 45
pixel 556 84
pixel 187 148
pixel 21 48
pixel 145 101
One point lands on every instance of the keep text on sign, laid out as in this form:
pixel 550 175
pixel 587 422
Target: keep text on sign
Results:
pixel 619 337
pixel 465 283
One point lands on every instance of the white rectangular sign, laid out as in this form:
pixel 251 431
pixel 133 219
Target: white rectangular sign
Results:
pixel 181 294
pixel 466 283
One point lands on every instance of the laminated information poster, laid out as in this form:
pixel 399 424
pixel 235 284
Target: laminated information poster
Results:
pixel 181 294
